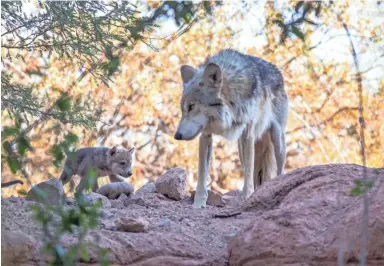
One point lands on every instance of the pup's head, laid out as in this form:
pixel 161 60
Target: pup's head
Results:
pixel 120 161
pixel 201 102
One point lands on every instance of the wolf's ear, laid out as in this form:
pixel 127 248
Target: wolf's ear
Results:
pixel 187 72
pixel 112 151
pixel 131 151
pixel 213 76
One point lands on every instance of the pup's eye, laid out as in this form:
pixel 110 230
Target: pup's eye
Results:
pixel 122 163
pixel 190 107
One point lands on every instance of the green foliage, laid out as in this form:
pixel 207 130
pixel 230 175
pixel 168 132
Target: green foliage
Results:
pixel 92 34
pixel 300 15
pixel 56 221
pixel 361 187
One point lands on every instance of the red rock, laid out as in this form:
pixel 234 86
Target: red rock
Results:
pixel 307 216
pixel 173 183
pixel 214 198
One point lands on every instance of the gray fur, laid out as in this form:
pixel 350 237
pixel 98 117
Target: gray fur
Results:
pixel 113 162
pixel 240 97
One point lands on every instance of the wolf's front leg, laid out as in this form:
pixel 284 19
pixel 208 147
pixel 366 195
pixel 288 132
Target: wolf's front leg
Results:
pixel 205 151
pixel 247 157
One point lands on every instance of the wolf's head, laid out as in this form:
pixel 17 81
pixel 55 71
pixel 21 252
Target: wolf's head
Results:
pixel 120 161
pixel 203 109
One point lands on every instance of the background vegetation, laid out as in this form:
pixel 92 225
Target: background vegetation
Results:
pixel 91 74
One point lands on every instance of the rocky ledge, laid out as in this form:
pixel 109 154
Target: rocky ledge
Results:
pixel 305 217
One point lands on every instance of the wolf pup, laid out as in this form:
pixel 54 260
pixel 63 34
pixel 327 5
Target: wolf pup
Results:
pixel 239 97
pixel 113 162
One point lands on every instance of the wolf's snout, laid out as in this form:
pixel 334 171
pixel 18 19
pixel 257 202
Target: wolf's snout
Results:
pixel 178 136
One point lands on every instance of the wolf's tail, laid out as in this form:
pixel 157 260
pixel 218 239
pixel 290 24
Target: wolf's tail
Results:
pixel 265 162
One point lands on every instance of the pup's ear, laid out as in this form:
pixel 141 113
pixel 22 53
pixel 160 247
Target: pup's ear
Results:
pixel 131 151
pixel 187 72
pixel 213 77
pixel 112 151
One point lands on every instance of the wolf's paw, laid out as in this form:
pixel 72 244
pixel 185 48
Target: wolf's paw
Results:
pixel 199 203
pixel 247 193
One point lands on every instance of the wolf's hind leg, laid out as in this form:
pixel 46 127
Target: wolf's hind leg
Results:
pixel 278 140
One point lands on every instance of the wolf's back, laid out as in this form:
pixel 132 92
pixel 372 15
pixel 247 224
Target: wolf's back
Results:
pixel 246 75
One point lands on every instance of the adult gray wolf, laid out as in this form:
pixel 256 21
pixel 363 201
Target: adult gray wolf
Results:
pixel 240 97
pixel 114 162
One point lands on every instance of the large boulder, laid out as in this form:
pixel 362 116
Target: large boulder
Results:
pixel 308 217
pixel 50 192
pixel 173 184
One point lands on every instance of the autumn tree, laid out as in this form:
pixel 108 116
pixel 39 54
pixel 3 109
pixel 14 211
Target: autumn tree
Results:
pixel 141 106
pixel 87 38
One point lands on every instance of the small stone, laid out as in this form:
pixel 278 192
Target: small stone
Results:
pixel 147 188
pixel 117 204
pixel 114 190
pixel 136 225
pixel 95 197
pixel 134 200
pixel 232 197
pixel 173 183
pixel 165 223
pixel 122 197
pixel 50 192
pixel 214 198
pixel 229 236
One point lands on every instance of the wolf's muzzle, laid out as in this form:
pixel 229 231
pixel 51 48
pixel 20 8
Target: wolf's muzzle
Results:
pixel 178 136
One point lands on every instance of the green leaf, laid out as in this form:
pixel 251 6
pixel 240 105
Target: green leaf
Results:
pixel 362 186
pixel 295 30
pixel 58 154
pixel 64 103
pixel 71 138
pixel 23 145
pixel 7 147
pixel 22 192
pixel 103 257
pixel 84 253
pixel 88 52
pixel 13 164
pixel 9 131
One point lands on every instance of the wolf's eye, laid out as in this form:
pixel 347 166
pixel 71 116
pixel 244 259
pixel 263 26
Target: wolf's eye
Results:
pixel 190 107
pixel 122 163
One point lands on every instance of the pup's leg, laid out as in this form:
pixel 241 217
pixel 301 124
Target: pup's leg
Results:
pixel 95 186
pixel 66 175
pixel 247 150
pixel 116 178
pixel 83 182
pixel 205 151
pixel 278 140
